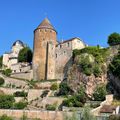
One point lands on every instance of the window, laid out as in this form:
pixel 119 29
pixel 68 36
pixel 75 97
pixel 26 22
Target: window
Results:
pixel 60 46
pixel 56 55
pixel 68 44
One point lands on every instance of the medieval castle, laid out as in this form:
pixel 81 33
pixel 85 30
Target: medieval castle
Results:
pixel 52 59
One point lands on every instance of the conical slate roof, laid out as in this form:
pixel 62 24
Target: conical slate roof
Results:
pixel 46 24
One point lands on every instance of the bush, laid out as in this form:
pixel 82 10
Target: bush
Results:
pixel 51 107
pixel 6 101
pixel 97 70
pixel 7 72
pixel 114 117
pixel 20 105
pixel 44 94
pixel 77 100
pixel 20 94
pixel 5 117
pixel 100 93
pixel 2 81
pixel 54 86
pixel 64 89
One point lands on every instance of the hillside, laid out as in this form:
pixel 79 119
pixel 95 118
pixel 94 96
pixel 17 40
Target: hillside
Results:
pixel 91 68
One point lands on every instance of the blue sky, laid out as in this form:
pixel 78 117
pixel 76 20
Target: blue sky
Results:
pixel 91 20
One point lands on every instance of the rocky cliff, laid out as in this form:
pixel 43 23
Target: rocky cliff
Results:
pixel 91 68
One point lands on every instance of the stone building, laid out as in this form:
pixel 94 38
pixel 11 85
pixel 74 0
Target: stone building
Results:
pixel 52 59
pixel 12 57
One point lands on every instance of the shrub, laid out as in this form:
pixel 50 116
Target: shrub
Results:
pixel 5 117
pixel 20 105
pixel 7 72
pixel 114 117
pixel 64 89
pixel 44 94
pixel 76 100
pixel 20 94
pixel 51 107
pixel 100 92
pixel 6 101
pixel 2 81
pixel 54 86
pixel 97 70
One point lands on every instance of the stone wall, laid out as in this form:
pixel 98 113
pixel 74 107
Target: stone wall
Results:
pixel 43 115
pixel 23 75
pixel 32 93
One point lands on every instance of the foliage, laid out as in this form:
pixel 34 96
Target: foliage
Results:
pixel 6 101
pixel 76 100
pixel 114 117
pixel 69 117
pixel 100 92
pixel 64 89
pixel 44 94
pixel 20 105
pixel 2 81
pixel 97 70
pixel 1 61
pixel 114 39
pixel 24 117
pixel 54 86
pixel 5 117
pixel 114 66
pixel 86 114
pixel 7 72
pixel 20 94
pixel 25 55
pixel 91 59
pixel 51 107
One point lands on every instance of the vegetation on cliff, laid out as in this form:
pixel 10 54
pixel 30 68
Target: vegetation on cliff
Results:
pixel 91 60
pixel 114 66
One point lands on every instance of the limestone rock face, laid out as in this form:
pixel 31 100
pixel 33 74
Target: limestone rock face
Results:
pixel 76 77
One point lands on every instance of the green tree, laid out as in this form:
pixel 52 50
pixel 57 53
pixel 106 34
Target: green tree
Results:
pixel 100 92
pixel 25 55
pixel 114 39
pixel 7 72
pixel 1 61
pixel 2 81
pixel 114 66
pixel 6 101
pixel 5 117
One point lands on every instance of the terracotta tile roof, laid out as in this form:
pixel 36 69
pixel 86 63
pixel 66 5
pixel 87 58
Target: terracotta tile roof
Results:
pixel 107 109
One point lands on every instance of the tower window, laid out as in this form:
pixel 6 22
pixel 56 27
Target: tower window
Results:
pixel 56 55
pixel 68 44
pixel 60 46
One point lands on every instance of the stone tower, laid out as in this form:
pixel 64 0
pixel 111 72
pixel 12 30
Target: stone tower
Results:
pixel 44 51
